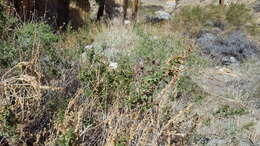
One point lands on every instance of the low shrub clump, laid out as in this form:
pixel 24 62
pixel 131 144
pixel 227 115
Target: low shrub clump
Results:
pixel 238 14
pixel 27 40
pixel 191 19
pixel 137 76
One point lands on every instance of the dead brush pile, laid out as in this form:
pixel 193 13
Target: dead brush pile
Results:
pixel 22 94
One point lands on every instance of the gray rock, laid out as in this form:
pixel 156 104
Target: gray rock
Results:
pixel 204 140
pixel 257 105
pixel 233 49
pixel 227 60
pixel 163 15
pixel 158 17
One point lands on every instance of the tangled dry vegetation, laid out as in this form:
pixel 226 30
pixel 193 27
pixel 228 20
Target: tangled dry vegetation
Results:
pixel 86 118
pixel 110 84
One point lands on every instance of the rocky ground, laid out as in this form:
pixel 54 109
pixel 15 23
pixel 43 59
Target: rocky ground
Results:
pixel 231 108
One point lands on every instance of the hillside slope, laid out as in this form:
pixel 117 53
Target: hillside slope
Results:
pixel 184 75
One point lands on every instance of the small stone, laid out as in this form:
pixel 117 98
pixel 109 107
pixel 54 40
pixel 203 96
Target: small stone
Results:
pixel 233 60
pixel 88 47
pixel 171 5
pixel 227 60
pixel 126 22
pixel 204 140
pixel 257 105
pixel 46 59
pixel 113 65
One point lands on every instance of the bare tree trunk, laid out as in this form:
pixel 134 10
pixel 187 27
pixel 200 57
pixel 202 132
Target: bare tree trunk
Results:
pixel 101 9
pixel 221 2
pixel 135 7
pixel 125 6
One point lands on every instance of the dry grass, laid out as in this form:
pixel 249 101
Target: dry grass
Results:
pixel 22 92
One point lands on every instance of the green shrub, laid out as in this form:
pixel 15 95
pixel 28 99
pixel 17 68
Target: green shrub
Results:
pixel 8 124
pixel 66 139
pixel 26 40
pixel 121 142
pixel 7 54
pixel 192 16
pixel 191 19
pixel 132 83
pixel 238 14
pixel 2 18
pixel 254 30
pixel 196 15
pixel 7 23
pixel 33 35
pixel 226 111
pixel 102 83
pixel 154 73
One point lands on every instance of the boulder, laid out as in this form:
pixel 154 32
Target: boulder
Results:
pixel 163 15
pixel 158 17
